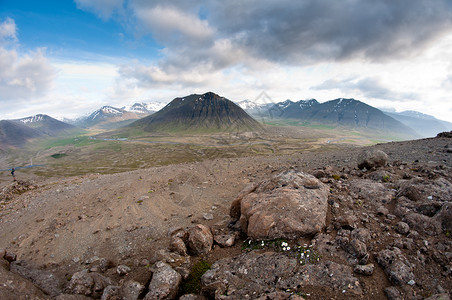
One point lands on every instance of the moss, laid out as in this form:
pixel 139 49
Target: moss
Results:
pixel 192 285
pixel 386 178
pixel 336 177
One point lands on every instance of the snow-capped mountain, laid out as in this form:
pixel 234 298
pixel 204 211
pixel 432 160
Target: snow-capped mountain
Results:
pixel 144 108
pixel 45 124
pixel 109 117
pixel 105 112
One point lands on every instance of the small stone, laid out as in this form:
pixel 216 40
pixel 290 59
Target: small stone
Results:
pixel 111 292
pixel 402 228
pixel 364 270
pixel 131 290
pixel 10 256
pixel 207 216
pixel 411 282
pixel 123 270
pixel 393 293
pixel 91 260
pixel 225 240
pixel 105 264
pixel 177 245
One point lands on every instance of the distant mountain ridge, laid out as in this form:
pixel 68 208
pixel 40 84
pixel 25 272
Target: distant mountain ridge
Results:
pixel 109 117
pixel 425 125
pixel 196 112
pixel 338 112
pixel 18 132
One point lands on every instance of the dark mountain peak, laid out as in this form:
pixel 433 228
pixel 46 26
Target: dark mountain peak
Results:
pixel 211 95
pixel 207 111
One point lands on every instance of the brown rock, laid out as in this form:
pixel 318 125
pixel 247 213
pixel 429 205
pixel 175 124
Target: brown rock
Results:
pixel 164 284
pixel 177 245
pixel 289 205
pixel 225 240
pixel 200 239
pixel 364 270
pixel 370 159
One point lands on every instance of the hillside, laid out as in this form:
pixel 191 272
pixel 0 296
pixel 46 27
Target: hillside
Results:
pixel 349 113
pixel 14 134
pixel 208 112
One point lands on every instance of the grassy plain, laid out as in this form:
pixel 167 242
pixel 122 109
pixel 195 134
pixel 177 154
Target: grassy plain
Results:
pixel 88 152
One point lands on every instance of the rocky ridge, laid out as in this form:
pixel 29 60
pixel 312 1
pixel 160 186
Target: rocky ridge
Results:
pixel 381 230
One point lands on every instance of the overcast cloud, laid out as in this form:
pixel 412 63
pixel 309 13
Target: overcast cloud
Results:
pixel 201 38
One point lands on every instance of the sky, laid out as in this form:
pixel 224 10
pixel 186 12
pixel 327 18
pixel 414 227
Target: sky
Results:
pixel 68 58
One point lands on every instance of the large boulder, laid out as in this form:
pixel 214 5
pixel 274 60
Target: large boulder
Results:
pixel 289 205
pixel 371 159
pixel 165 282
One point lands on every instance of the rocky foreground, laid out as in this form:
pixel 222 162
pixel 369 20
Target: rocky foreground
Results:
pixel 368 224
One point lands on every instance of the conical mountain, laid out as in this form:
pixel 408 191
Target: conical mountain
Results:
pixel 202 113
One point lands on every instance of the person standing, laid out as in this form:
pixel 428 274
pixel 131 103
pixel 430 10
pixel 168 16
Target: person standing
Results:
pixel 12 173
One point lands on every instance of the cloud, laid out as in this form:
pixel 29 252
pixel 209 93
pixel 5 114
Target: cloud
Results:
pixel 22 76
pixel 171 26
pixel 317 30
pixel 103 8
pixel 8 32
pixel 366 87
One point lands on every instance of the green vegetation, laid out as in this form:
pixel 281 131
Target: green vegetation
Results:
pixel 192 285
pixel 336 177
pixel 385 178
pixel 58 155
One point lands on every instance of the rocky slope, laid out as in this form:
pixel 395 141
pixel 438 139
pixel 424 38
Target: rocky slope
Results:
pixel 311 225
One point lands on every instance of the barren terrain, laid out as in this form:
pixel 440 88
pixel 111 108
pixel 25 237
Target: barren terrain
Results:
pixel 62 223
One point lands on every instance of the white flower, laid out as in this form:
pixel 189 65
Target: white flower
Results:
pixel 288 248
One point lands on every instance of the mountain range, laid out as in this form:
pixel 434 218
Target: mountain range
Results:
pixel 351 113
pixel 109 117
pixel 209 112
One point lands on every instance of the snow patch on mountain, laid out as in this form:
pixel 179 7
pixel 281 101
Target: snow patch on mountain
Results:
pixel 33 119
